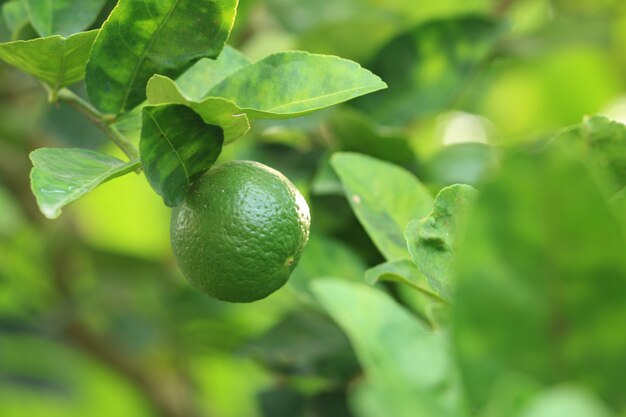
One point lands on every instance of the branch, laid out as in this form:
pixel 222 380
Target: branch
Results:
pixel 103 121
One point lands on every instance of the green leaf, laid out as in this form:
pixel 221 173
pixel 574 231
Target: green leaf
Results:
pixel 354 131
pixel 409 368
pixel 432 239
pixel 570 401
pixel 402 271
pixel 428 67
pixel 176 146
pixel 384 198
pixel 291 84
pixel 541 283
pixel 15 16
pixel 61 176
pixel 601 140
pixel 213 110
pixel 198 80
pixel 62 17
pixel 57 61
pixel 145 37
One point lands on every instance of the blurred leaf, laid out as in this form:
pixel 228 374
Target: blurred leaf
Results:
pixel 15 15
pixel 408 368
pixel 160 36
pixel 463 163
pixel 63 175
pixel 510 395
pixel 324 257
pixel 428 67
pixel 291 84
pixel 384 198
pixel 12 218
pixel 603 141
pixel 198 80
pixel 57 61
pixel 355 132
pixel 62 17
pixel 570 401
pixel 423 301
pixel 542 280
pixel 326 181
pixel 432 239
pixel 176 148
pixel 213 110
pixel 292 347
pixel 281 402
pixel 402 271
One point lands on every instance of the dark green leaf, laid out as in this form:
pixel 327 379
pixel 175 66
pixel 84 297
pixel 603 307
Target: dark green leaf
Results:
pixel 292 347
pixel 57 61
pixel 145 37
pixel 384 198
pixel 355 132
pixel 62 17
pixel 213 110
pixel 541 285
pixel 198 80
pixel 432 239
pixel 61 176
pixel 408 368
pixel 177 146
pixel 291 84
pixel 428 66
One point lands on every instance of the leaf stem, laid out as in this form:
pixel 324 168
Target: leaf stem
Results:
pixel 103 121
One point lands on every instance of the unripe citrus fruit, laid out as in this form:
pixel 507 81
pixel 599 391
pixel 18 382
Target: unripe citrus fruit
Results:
pixel 240 231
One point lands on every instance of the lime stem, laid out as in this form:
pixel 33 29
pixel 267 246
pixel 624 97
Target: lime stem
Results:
pixel 101 120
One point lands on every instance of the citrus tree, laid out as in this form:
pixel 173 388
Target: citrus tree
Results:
pixel 453 245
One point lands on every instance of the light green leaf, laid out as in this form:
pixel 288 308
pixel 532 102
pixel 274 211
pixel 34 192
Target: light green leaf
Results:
pixel 145 37
pixel 198 80
pixel 603 142
pixel 176 148
pixel 428 67
pixel 432 239
pixel 409 367
pixel 541 283
pixel 61 176
pixel 570 401
pixel 402 271
pixel 62 17
pixel 213 110
pixel 15 16
pixel 384 198
pixel 291 84
pixel 57 61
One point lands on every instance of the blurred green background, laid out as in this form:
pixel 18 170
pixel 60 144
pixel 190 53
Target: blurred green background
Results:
pixel 95 318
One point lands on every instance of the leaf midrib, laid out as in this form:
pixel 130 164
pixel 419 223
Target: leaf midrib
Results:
pixel 144 53
pixel 164 136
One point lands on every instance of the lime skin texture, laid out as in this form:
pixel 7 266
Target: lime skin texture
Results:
pixel 240 231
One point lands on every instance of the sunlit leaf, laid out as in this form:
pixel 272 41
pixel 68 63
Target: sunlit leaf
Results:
pixel 177 146
pixel 432 239
pixel 145 37
pixel 213 110
pixel 408 367
pixel 57 61
pixel 384 198
pixel 291 84
pixel 61 176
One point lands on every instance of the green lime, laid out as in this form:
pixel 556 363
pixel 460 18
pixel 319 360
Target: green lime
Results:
pixel 240 231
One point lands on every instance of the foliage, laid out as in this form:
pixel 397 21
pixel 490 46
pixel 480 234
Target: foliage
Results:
pixel 465 169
